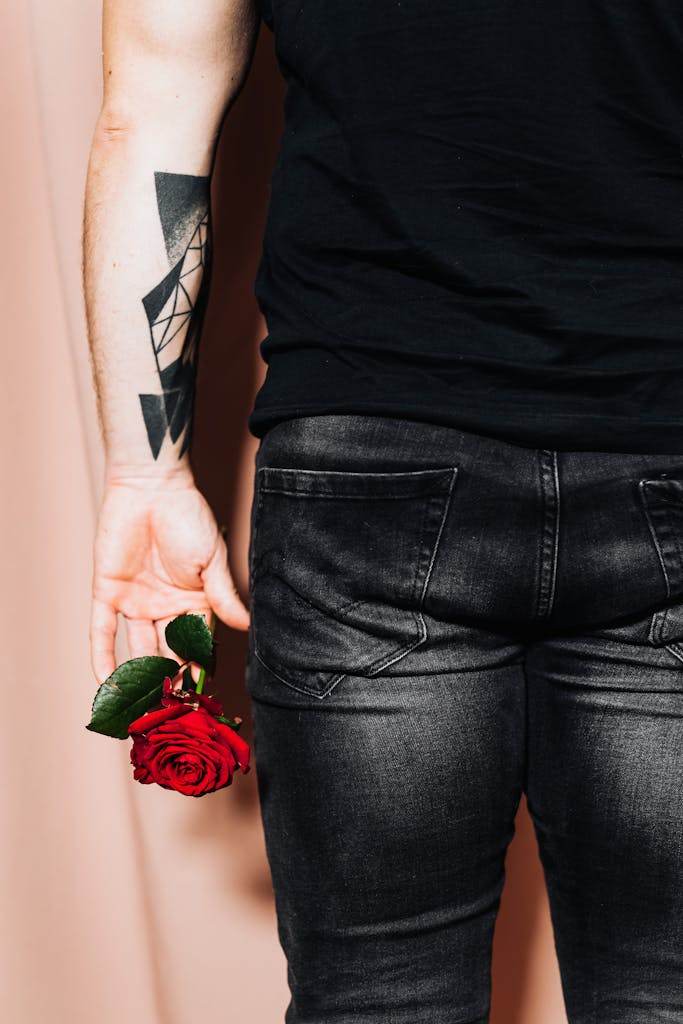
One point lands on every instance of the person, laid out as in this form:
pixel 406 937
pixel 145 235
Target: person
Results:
pixel 466 551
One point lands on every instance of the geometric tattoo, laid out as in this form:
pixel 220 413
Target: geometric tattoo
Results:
pixel 175 307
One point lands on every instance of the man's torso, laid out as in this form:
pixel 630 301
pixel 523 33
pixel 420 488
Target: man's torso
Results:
pixel 477 218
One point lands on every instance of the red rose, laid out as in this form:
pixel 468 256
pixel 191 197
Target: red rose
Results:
pixel 184 747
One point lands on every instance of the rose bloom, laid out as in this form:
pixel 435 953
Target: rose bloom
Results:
pixel 183 747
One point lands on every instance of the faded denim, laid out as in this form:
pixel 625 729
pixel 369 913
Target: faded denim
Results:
pixel 440 622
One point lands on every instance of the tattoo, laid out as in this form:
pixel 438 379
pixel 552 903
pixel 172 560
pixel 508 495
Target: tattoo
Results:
pixel 175 308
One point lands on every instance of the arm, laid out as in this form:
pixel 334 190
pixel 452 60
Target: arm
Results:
pixel 170 73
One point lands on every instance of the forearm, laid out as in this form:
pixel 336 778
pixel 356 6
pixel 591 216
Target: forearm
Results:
pixel 147 238
pixel 146 255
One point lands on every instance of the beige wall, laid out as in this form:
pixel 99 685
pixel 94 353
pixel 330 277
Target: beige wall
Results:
pixel 121 901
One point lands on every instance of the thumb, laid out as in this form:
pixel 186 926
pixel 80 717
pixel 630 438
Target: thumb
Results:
pixel 220 590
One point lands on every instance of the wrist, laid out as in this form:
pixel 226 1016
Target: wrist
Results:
pixel 148 474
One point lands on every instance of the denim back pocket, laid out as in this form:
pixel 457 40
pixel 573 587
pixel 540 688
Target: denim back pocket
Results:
pixel 663 503
pixel 340 563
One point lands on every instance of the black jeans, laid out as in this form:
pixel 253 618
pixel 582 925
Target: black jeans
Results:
pixel 441 621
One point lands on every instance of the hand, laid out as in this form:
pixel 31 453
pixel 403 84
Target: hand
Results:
pixel 158 553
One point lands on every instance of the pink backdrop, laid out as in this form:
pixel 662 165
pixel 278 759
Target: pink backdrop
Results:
pixel 122 902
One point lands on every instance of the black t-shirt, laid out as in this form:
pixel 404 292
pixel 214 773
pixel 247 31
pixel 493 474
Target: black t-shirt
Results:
pixel 476 218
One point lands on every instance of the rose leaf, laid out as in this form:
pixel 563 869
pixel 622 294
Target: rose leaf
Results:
pixel 133 688
pixel 190 637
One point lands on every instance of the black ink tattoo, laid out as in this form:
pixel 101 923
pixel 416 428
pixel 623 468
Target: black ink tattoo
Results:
pixel 175 308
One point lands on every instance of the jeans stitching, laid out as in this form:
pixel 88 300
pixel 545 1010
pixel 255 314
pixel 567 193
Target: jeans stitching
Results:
pixel 392 474
pixel 293 686
pixel 659 617
pixel 550 490
pixel 381 663
pixel 675 650
pixel 422 625
pixel 252 562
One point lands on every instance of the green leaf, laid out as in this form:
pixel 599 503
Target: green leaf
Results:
pixel 133 688
pixel 190 637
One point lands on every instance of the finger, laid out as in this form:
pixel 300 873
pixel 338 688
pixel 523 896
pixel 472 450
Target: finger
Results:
pixel 102 636
pixel 142 638
pixel 220 590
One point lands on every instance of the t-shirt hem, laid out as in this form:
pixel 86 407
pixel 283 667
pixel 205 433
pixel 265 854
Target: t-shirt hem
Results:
pixel 515 423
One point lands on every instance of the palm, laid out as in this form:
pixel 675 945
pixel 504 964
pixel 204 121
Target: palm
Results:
pixel 158 553
pixel 149 554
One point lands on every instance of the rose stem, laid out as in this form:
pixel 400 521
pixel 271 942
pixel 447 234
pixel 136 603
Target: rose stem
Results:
pixel 202 673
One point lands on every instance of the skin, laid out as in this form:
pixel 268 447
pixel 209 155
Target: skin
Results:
pixel 171 72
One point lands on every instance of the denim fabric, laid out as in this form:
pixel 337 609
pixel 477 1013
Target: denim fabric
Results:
pixel 440 622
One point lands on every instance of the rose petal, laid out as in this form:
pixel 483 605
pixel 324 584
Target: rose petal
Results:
pixel 239 747
pixel 195 724
pixel 187 750
pixel 159 739
pixel 211 704
pixel 152 719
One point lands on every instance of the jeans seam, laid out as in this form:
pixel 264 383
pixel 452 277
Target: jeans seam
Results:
pixel 381 664
pixel 422 625
pixel 360 473
pixel 659 616
pixel 550 492
pixel 300 689
pixel 675 650
pixel 430 569
pixel 653 533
